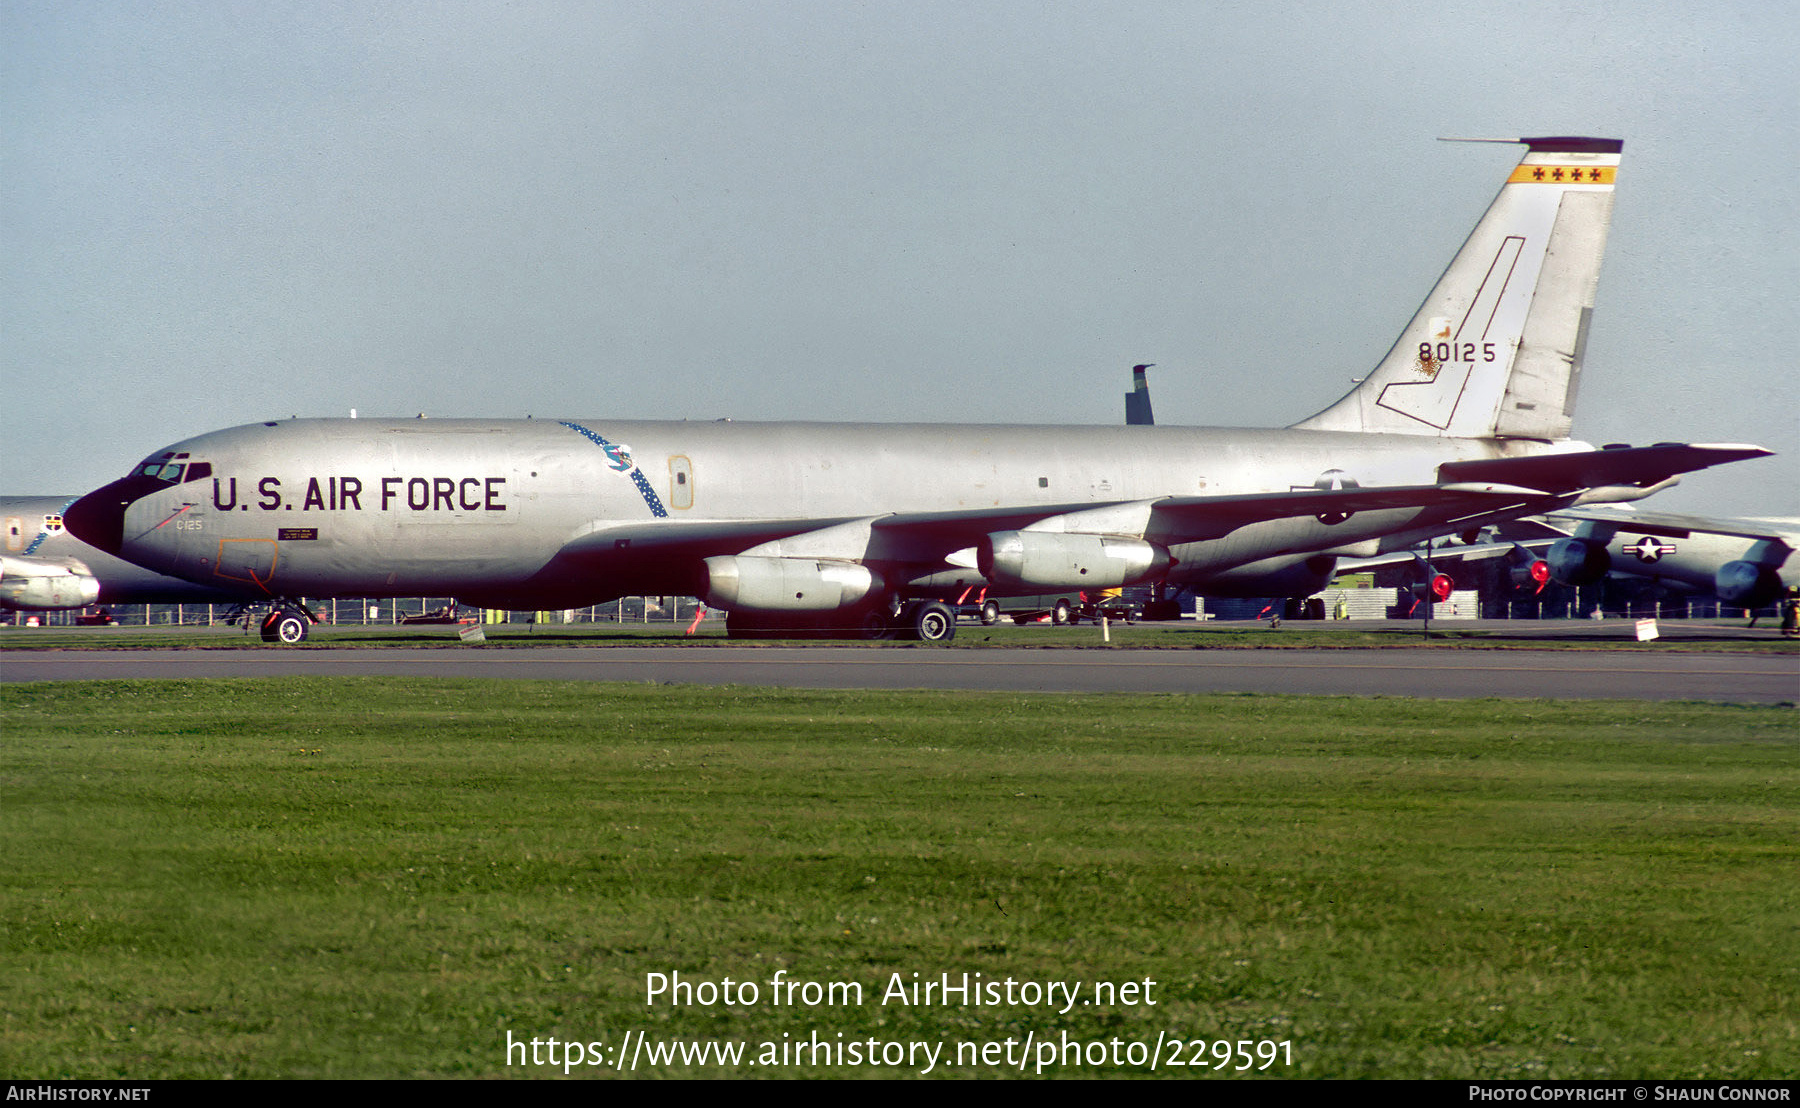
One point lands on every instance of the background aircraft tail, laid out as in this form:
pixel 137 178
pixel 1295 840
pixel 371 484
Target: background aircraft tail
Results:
pixel 1137 401
pixel 1495 351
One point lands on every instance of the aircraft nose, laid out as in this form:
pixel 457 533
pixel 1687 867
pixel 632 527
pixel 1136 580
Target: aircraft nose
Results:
pixel 98 518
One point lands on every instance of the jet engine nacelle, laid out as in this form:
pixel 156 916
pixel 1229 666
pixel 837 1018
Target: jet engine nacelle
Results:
pixel 37 587
pixel 1527 570
pixel 1428 584
pixel 756 584
pixel 1286 576
pixel 1578 561
pixel 1747 584
pixel 1049 560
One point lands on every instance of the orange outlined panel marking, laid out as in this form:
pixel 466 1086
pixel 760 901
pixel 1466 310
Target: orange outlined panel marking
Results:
pixel 251 560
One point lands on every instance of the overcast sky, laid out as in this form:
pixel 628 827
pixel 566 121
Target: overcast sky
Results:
pixel 216 213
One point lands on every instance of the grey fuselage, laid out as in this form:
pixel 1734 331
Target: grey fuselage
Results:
pixel 488 510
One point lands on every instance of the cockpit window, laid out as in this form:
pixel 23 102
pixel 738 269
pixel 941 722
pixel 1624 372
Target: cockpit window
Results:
pixel 173 469
pixel 166 472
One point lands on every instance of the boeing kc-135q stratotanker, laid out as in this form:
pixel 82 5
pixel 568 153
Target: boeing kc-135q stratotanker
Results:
pixel 865 529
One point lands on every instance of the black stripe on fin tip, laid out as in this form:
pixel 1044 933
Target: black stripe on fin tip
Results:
pixel 1571 144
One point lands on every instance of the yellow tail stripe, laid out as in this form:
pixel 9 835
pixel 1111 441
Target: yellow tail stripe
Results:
pixel 1563 175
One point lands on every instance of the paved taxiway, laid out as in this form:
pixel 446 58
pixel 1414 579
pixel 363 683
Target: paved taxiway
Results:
pixel 1630 675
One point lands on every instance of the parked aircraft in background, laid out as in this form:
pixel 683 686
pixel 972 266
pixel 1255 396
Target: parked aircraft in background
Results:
pixel 1746 563
pixel 44 568
pixel 868 528
pixel 1743 563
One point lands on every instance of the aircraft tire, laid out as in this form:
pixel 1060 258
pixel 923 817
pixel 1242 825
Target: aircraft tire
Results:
pixel 933 622
pixel 1062 615
pixel 285 627
pixel 873 625
pixel 990 613
pixel 1162 610
pixel 743 625
pixel 784 625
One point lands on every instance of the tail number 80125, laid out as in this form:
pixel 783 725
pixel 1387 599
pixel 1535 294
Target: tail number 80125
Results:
pixel 1456 352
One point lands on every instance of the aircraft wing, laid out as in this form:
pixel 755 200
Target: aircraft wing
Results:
pixel 1194 518
pixel 1480 552
pixel 939 531
pixel 934 534
pixel 1483 486
pixel 1640 466
pixel 1673 526
pixel 689 538
pixel 1198 518
pixel 1174 520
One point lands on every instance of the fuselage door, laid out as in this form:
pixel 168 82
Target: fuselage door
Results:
pixel 681 482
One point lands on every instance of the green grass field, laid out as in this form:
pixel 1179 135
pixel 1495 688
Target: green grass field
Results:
pixel 373 878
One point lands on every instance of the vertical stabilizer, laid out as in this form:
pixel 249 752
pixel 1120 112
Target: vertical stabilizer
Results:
pixel 1495 350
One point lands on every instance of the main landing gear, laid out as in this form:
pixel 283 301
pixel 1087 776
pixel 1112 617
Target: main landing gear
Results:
pixel 918 621
pixel 928 621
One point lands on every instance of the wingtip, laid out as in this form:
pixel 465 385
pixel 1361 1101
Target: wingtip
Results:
pixel 1739 449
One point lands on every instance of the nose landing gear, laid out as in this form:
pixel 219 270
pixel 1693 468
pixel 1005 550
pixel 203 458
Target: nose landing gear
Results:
pixel 287 623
